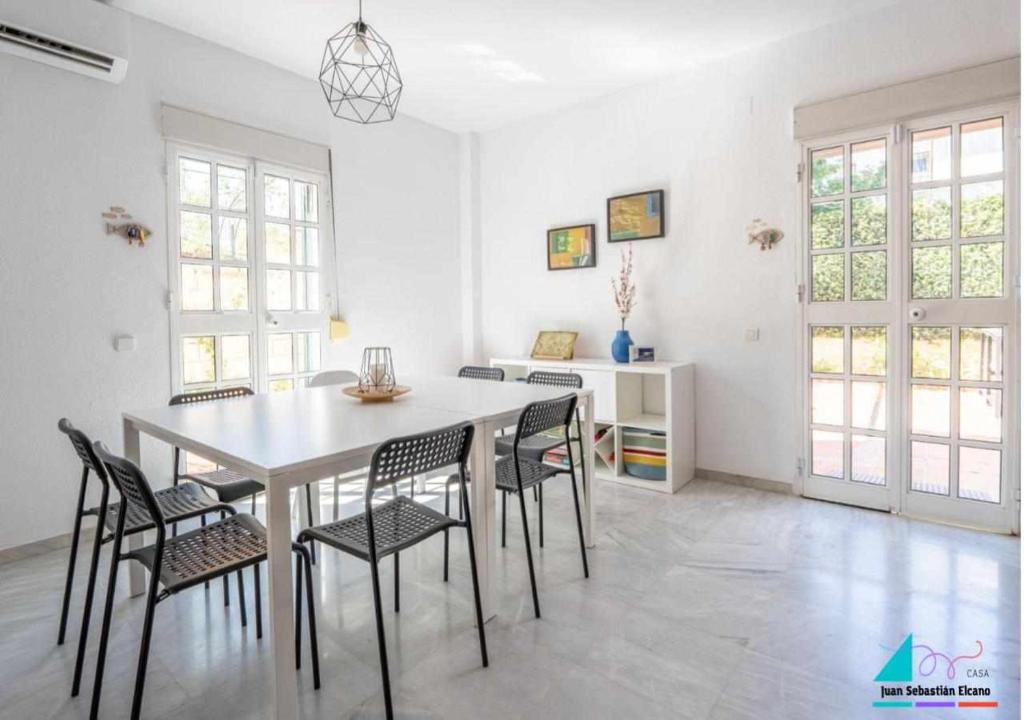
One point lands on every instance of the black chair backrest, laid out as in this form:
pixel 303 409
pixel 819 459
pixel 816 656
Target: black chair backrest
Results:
pixel 477 372
pixel 83 447
pixel 132 485
pixel 208 395
pixel 566 380
pixel 544 415
pixel 403 457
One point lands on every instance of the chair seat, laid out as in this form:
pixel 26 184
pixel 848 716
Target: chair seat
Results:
pixel 397 524
pixel 531 448
pixel 229 485
pixel 177 503
pixel 208 552
pixel 533 473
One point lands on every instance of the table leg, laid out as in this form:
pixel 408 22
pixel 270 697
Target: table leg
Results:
pixel 136 573
pixel 284 686
pixel 481 495
pixel 589 513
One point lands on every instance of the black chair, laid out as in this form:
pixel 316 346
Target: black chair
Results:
pixel 515 473
pixel 179 503
pixel 228 485
pixel 476 372
pixel 402 522
pixel 225 546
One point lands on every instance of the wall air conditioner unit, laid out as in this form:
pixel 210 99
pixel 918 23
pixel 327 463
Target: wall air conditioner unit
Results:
pixel 61 53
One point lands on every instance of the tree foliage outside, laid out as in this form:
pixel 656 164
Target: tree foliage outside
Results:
pixel 930 352
pixel 828 277
pixel 981 270
pixel 931 214
pixel 981 215
pixel 868 220
pixel 827 225
pixel 932 272
pixel 868 275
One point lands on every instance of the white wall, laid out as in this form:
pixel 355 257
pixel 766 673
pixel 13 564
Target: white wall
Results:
pixel 72 146
pixel 719 141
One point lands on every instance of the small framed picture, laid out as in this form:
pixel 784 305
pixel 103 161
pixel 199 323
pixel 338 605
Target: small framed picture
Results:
pixel 554 345
pixel 639 216
pixel 571 248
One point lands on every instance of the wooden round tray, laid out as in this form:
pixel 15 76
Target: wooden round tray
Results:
pixel 375 395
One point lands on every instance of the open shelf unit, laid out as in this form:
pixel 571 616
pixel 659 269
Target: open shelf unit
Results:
pixel 653 396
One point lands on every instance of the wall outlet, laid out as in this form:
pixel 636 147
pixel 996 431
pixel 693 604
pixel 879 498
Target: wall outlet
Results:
pixel 752 334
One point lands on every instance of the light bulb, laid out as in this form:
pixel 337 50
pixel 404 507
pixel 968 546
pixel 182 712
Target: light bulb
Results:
pixel 359 46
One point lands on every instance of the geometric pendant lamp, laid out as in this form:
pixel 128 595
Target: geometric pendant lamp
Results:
pixel 359 76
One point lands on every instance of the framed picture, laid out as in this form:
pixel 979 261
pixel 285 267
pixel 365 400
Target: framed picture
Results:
pixel 554 345
pixel 571 248
pixel 636 217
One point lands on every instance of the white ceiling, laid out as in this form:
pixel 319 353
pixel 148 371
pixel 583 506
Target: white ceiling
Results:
pixel 479 64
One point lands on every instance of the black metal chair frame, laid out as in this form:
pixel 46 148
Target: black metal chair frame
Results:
pixel 404 522
pixel 135 490
pixel 188 507
pixel 225 394
pixel 478 372
pixel 536 418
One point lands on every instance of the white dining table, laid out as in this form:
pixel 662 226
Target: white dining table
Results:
pixel 287 439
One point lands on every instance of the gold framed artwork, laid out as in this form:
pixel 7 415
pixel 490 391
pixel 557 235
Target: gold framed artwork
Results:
pixel 554 345
pixel 639 216
pixel 573 247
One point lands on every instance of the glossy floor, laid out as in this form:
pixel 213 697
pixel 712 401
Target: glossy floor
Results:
pixel 719 602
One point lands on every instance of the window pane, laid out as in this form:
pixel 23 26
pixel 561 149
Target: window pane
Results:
pixel 981 209
pixel 234 288
pixel 279 290
pixel 275 196
pixel 867 275
pixel 233 239
pixel 827 172
pixel 827 454
pixel 307 352
pixel 932 272
pixel 867 405
pixel 868 220
pixel 827 277
pixel 979 474
pixel 196 237
pixel 868 350
pixel 230 188
pixel 307 250
pixel 194 182
pixel 981 270
pixel 981 354
pixel 197 360
pixel 279 249
pixel 307 291
pixel 827 225
pixel 196 287
pixel 282 384
pixel 929 467
pixel 931 351
pixel 279 353
pixel 827 349
pixel 931 155
pixel 981 414
pixel 827 402
pixel 305 202
pixel 981 147
pixel 929 410
pixel 234 357
pixel 868 455
pixel 867 165
pixel 932 214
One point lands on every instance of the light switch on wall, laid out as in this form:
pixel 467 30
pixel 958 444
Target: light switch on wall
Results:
pixel 124 343
pixel 752 334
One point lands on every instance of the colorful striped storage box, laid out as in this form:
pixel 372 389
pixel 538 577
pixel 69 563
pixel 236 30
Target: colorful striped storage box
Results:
pixel 643 453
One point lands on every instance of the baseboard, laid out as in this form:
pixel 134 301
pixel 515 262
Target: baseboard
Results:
pixel 776 486
pixel 33 549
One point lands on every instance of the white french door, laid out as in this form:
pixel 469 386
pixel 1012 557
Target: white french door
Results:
pixel 910 318
pixel 250 258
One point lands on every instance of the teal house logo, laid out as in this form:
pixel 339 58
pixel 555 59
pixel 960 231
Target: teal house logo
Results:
pixel 900 668
pixel 898 689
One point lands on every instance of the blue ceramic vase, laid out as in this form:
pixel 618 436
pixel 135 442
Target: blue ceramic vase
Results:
pixel 620 346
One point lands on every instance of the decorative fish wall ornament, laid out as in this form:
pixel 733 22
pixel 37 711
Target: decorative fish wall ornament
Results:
pixel 131 230
pixel 759 232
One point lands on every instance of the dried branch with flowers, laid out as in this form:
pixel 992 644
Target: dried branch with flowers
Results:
pixel 623 288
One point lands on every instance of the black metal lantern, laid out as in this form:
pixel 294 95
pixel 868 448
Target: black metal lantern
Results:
pixel 359 76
